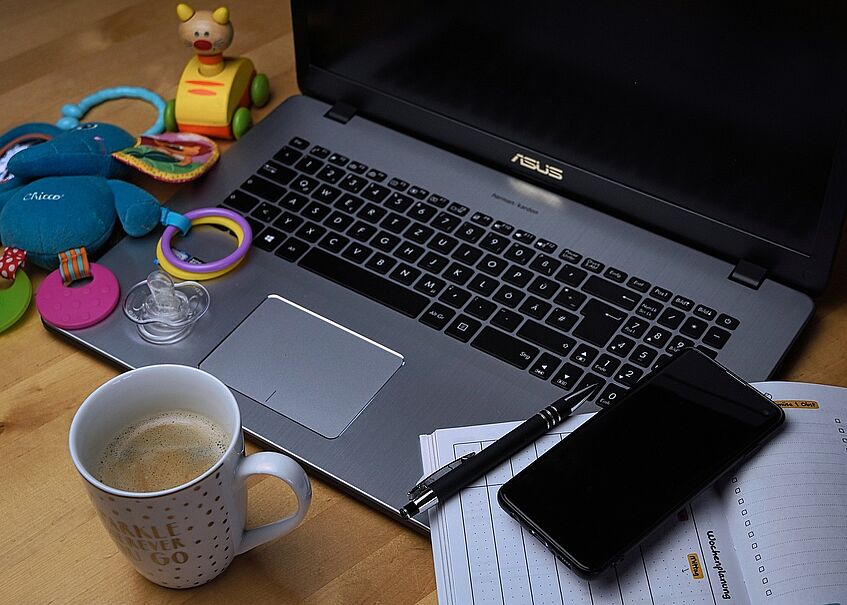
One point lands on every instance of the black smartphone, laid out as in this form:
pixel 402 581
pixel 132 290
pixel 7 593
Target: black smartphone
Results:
pixel 602 490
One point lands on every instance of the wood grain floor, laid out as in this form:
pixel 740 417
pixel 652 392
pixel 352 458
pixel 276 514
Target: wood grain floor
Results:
pixel 52 547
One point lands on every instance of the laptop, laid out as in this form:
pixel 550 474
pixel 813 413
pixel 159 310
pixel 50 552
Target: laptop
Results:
pixel 474 208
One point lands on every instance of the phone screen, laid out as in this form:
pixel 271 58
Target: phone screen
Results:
pixel 601 490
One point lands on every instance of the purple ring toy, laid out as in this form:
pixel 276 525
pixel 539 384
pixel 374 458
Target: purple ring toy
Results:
pixel 245 239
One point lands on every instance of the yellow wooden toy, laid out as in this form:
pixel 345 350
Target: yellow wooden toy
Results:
pixel 215 93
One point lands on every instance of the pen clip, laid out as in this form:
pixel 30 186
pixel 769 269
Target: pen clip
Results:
pixel 423 486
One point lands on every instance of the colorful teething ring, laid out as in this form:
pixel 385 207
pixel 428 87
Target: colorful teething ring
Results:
pixel 72 113
pixel 206 216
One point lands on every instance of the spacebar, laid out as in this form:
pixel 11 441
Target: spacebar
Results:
pixel 364 282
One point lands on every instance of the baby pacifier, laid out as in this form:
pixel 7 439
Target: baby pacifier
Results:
pixel 165 312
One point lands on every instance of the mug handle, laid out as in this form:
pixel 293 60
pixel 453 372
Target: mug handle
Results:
pixel 282 467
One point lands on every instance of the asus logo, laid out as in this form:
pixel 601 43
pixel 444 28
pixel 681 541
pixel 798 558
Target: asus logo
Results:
pixel 535 165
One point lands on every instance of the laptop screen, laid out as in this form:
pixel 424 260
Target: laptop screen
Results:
pixel 729 110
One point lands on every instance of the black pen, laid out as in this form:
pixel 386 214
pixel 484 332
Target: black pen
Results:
pixel 452 478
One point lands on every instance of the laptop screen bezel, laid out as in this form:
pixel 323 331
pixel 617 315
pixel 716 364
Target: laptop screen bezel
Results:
pixel 807 272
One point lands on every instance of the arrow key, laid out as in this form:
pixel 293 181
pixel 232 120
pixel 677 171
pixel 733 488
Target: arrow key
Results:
pixel 545 366
pixel 567 376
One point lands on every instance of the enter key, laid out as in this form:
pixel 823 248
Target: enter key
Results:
pixel 599 322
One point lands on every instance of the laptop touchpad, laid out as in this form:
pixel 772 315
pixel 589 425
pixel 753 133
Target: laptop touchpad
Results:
pixel 302 365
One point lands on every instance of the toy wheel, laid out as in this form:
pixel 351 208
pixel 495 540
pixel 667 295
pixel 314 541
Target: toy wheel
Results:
pixel 170 116
pixel 260 90
pixel 242 121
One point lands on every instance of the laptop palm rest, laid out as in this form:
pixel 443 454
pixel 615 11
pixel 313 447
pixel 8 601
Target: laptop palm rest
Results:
pixel 303 366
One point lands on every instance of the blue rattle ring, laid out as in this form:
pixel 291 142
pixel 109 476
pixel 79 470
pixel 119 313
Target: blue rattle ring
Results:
pixel 72 114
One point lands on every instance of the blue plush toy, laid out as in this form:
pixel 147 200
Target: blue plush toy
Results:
pixel 66 194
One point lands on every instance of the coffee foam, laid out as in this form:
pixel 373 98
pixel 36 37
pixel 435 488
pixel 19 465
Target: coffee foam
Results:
pixel 162 451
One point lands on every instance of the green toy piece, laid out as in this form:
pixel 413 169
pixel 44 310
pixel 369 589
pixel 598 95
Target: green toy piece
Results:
pixel 242 121
pixel 14 300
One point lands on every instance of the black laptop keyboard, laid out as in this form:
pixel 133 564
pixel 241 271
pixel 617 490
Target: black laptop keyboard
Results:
pixel 525 300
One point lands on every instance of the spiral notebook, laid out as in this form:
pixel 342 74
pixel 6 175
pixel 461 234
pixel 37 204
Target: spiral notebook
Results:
pixel 773 533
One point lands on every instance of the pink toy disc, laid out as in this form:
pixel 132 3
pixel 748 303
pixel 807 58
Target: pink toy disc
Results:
pixel 75 308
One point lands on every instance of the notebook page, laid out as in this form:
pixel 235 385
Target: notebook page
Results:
pixel 787 507
pixel 483 556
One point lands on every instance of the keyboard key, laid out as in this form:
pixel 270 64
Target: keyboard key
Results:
pixel 357 167
pixel 710 352
pixel 483 284
pixel 419 233
pixel 299 143
pixel 417 193
pixel 591 380
pixel 263 188
pixel 677 344
pixel 494 243
pixel 338 221
pixel 311 232
pixel 437 316
pixel 546 246
pixel 277 173
pixel 320 152
pixel 570 298
pixel 238 200
pixel 524 236
pixel 456 297
pixel 661 294
pixel 433 262
pixel 680 302
pixel 377 175
pixel 636 283
pixel 535 307
pixel 657 337
pixel 364 282
pixel 467 254
pixel 458 274
pixel 287 155
pixel 561 319
pixel 481 219
pixel 458 209
pixel 380 263
pixel 338 159
pixel 422 212
pixel 517 276
pixel 409 252
pixel 398 184
pixel 333 242
pixel 326 194
pixel 567 377
pixel 443 243
pixel 480 308
pixel 549 339
pixel 265 212
pixel 509 296
pixel 405 274
pixel 292 249
pixel 395 223
pixel 506 319
pixel 505 347
pixel 361 231
pixel 309 165
pixel 616 275
pixel 353 183
pixel 375 193
pixel 304 184
pixel 470 233
pixel 463 327
pixel 546 265
pixel 628 375
pixel 570 256
pixel 398 202
pixel 519 254
pixel 610 395
pixel 438 200
pixel 725 321
pixel 643 356
pixel 613 293
pixel 592 265
pixel 599 322
pixel 446 222
pixel 583 354
pixel 571 275
pixel 693 327
pixel 634 327
pixel 492 265
pixel 620 345
pixel 705 312
pixel 544 366
pixel 661 360
pixel 385 241
pixel 268 239
pixel 650 309
pixel 255 225
pixel 671 318
pixel 349 203
pixel 288 222
pixel 358 253
pixel 371 213
pixel 543 287
pixel 605 365
pixel 316 212
pixel 330 174
pixel 502 228
pixel 429 285
pixel 716 337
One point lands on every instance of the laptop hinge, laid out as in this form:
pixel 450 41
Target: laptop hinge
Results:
pixel 341 112
pixel 748 274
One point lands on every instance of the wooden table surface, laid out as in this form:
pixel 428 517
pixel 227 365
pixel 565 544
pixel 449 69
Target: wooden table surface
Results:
pixel 52 546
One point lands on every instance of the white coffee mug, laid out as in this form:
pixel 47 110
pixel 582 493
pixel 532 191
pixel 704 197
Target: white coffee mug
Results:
pixel 186 535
